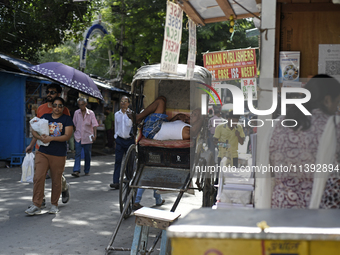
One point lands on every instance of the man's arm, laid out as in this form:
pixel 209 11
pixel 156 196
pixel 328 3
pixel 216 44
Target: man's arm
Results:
pixel 116 127
pixel 190 132
pixel 127 122
pixel 196 127
pixel 94 133
pixel 239 136
pixel 94 125
pixel 113 121
pixel 181 116
pixel 75 121
pixel 217 135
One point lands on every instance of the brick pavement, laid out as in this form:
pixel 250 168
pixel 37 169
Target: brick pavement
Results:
pixel 83 226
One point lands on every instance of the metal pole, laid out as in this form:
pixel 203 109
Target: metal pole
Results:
pixel 110 63
pixel 108 248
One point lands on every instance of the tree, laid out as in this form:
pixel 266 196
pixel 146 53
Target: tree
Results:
pixel 143 28
pixel 28 26
pixel 143 25
pixel 143 32
pixel 65 53
pixel 97 60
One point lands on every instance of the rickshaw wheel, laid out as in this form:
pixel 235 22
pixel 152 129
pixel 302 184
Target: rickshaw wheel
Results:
pixel 208 197
pixel 207 182
pixel 128 168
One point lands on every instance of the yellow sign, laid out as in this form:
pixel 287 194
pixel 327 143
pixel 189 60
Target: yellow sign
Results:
pixel 286 247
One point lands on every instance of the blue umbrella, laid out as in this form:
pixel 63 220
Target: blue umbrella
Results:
pixel 69 76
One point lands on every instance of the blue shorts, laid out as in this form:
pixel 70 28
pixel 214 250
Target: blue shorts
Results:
pixel 153 123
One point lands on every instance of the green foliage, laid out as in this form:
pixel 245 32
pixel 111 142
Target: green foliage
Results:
pixel 97 60
pixel 64 54
pixel 143 23
pixel 216 37
pixel 143 27
pixel 144 31
pixel 28 26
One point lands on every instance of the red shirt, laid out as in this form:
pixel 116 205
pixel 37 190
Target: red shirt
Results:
pixel 43 109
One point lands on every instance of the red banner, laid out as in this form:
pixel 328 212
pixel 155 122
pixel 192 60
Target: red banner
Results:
pixel 231 65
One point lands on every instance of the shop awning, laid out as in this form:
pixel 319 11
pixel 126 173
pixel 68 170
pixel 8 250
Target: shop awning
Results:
pixel 108 86
pixel 13 64
pixel 210 11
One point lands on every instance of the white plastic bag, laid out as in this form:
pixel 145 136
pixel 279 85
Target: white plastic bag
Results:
pixel 40 126
pixel 27 168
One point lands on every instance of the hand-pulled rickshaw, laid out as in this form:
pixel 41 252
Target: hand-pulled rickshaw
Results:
pixel 165 165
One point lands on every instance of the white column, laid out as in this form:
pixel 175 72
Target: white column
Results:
pixel 267 55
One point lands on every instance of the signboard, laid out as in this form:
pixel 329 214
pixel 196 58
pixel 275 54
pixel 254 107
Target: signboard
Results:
pixel 292 84
pixel 289 68
pixel 249 84
pixel 231 65
pixel 329 60
pixel 192 50
pixel 95 29
pixel 172 38
pixel 285 247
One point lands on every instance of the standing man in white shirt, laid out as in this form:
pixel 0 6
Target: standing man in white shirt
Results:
pixel 123 126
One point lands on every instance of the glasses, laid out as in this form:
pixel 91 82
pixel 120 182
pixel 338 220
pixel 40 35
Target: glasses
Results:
pixel 57 105
pixel 52 92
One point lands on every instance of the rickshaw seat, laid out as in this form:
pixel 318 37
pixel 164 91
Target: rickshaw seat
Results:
pixel 146 142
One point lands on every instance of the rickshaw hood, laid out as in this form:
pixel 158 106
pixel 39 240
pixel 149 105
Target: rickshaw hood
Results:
pixel 152 72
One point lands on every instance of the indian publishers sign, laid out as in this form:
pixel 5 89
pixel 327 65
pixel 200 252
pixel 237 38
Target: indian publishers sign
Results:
pixel 192 50
pixel 172 38
pixel 231 65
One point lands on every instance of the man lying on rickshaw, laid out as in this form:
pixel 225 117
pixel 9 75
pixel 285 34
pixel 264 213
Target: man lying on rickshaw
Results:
pixel 157 125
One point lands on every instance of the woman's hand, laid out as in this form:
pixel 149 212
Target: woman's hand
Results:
pixel 46 138
pixel 29 148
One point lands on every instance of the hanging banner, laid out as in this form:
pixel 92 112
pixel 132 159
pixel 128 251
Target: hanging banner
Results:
pixel 172 38
pixel 249 84
pixel 191 50
pixel 231 65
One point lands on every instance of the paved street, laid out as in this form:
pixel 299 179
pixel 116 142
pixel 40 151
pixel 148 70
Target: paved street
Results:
pixel 83 226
